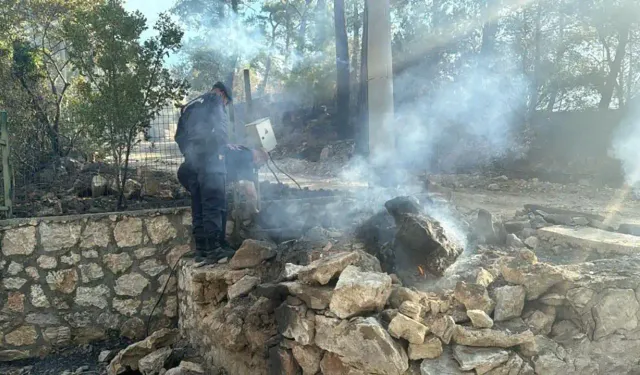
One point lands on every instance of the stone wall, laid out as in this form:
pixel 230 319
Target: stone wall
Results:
pixel 73 280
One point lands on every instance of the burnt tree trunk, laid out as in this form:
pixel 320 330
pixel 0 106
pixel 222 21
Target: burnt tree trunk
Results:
pixel 421 238
pixel 612 78
pixel 342 69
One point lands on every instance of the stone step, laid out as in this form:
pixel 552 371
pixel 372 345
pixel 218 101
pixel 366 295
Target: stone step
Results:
pixel 600 241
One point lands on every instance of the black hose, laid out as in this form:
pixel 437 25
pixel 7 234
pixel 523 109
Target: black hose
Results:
pixel 285 173
pixel 173 270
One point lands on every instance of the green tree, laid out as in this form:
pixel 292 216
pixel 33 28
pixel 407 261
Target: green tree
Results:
pixel 124 82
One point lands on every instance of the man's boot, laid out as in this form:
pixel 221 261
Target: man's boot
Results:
pixel 202 247
pixel 216 251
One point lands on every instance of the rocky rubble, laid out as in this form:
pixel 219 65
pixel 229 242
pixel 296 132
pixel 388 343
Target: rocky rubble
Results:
pixel 339 314
pixel 155 355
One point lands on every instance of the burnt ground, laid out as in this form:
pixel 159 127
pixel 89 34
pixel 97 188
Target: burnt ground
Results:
pixel 75 360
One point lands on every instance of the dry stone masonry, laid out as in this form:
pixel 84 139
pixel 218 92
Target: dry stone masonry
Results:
pixel 336 313
pixel 73 280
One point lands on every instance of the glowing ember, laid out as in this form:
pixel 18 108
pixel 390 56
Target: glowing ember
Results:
pixel 421 271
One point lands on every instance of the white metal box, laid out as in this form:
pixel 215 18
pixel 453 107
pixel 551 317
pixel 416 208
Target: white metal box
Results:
pixel 260 134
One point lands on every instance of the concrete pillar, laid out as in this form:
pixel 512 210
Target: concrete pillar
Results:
pixel 380 78
pixel 382 137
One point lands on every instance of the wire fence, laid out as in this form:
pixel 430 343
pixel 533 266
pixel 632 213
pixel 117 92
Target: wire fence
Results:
pixel 81 183
pixel 85 181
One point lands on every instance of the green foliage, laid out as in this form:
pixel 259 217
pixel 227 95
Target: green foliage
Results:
pixel 124 84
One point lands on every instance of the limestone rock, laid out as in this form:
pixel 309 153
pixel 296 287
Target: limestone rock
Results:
pixel 552 299
pixel 325 269
pixel 431 348
pixel 443 365
pixel 514 366
pixel 290 271
pixel 514 241
pixel 128 232
pixel 38 298
pixel 410 309
pixel 509 302
pixel 42 319
pixel 251 254
pixel 490 337
pixel 15 302
pixel 46 262
pixel 14 268
pixel 442 326
pixel 57 336
pixel 13 355
pixel 535 278
pixel 474 296
pixel 152 363
pixel 400 294
pixel 616 310
pixel 308 357
pixel 90 272
pixel 541 322
pixel 13 283
pixel 408 329
pixel 243 286
pixel 33 273
pixel 361 343
pixel 152 267
pixel 315 297
pixel 532 242
pixel 294 322
pixel 63 281
pixel 117 263
pixel 19 241
pixel 145 252
pixel 106 356
pixel 480 359
pixel 160 229
pixel 131 355
pixel 133 328
pixel 358 292
pixel 332 364
pixel 96 234
pixel 131 285
pixel 281 361
pixel 22 336
pixel 71 259
pixel 176 253
pixel 487 231
pixel 96 296
pixel 58 236
pixel 480 319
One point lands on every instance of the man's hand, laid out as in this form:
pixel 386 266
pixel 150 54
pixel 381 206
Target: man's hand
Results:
pixel 235 147
pixel 260 156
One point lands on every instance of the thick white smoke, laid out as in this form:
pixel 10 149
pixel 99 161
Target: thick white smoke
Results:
pixel 465 123
pixel 626 147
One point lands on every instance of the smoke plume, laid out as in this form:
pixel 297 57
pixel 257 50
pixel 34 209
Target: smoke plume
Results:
pixel 626 147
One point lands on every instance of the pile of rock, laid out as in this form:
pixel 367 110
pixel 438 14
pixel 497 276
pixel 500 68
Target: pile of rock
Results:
pixel 152 356
pixel 341 315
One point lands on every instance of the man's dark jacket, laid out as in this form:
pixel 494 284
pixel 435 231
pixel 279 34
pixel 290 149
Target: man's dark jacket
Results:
pixel 202 132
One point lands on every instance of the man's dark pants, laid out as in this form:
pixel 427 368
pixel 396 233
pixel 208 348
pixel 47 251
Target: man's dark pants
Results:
pixel 207 185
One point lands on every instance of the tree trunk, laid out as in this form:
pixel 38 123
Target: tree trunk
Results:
pixel 263 84
pixel 342 69
pixel 234 60
pixel 362 133
pixel 533 97
pixel 610 84
pixel 489 29
pixel 302 33
pixel 356 44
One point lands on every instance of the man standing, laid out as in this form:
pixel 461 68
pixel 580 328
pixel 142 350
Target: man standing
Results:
pixel 203 141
